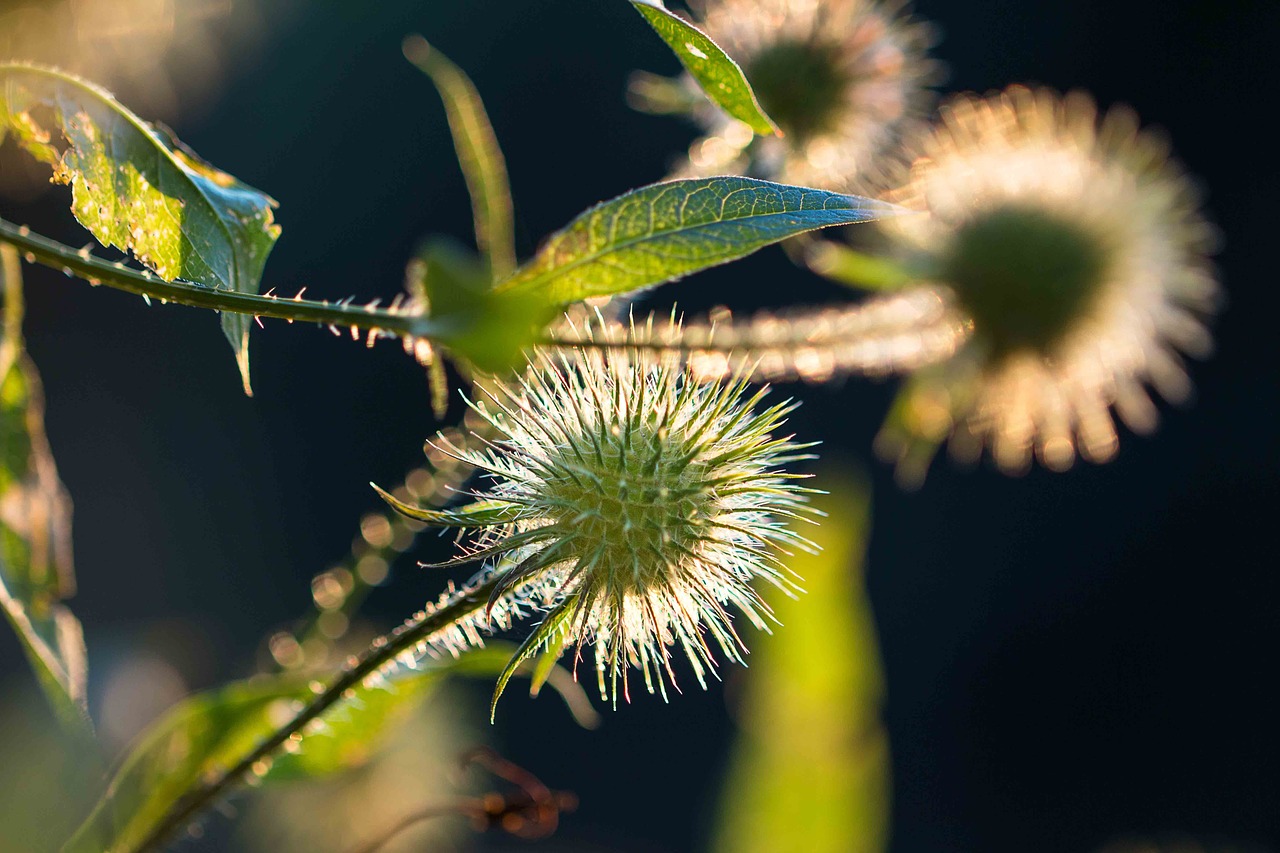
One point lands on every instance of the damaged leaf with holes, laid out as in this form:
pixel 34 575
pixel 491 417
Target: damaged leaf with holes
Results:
pixel 139 190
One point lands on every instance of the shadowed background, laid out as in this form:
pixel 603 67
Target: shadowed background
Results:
pixel 1069 658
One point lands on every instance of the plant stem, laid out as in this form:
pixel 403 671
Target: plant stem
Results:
pixel 855 269
pixel 80 263
pixel 383 651
pixel 446 474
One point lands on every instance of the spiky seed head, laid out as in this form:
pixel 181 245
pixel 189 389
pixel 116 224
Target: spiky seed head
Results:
pixel 843 79
pixel 1077 253
pixel 643 504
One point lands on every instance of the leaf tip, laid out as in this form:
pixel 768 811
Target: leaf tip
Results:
pixel 242 361
pixel 501 686
pixel 415 48
pixel 384 494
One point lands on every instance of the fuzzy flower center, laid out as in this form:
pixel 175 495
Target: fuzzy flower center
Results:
pixel 801 85
pixel 1025 275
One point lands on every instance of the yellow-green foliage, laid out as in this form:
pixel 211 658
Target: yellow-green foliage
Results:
pixel 810 769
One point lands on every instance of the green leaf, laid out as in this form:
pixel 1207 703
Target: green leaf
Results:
pixel 35 523
pixel 489 329
pixel 717 74
pixel 548 633
pixel 481 158
pixel 353 730
pixel 855 269
pixel 199 736
pixel 496 657
pixel 545 667
pixel 213 731
pixel 662 232
pixel 137 189
pixel 478 514
pixel 810 767
pixel 56 785
pixel 660 96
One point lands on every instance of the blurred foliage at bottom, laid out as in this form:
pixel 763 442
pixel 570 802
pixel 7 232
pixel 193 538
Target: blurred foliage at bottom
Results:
pixel 415 771
pixel 810 769
pixel 41 805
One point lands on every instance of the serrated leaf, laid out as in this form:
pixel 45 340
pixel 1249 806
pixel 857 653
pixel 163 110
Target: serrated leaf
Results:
pixel 665 231
pixel 479 155
pixel 35 523
pixel 213 731
pixel 353 731
pixel 135 188
pixel 714 70
pixel 478 514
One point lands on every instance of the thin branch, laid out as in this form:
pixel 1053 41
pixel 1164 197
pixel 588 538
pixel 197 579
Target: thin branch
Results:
pixel 383 651
pixel 465 806
pixel 383 537
pixel 38 249
pixel 532 811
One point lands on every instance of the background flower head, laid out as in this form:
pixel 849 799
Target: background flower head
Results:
pixel 1077 252
pixel 843 79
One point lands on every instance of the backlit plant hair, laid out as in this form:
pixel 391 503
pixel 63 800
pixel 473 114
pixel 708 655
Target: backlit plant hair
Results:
pixel 1046 266
pixel 634 506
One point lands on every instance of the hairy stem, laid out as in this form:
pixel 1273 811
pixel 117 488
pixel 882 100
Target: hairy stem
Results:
pixel 889 333
pixel 383 651
pixel 38 249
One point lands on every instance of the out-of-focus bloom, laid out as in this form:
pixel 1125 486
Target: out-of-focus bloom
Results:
pixel 843 80
pixel 1057 267
pixel 131 45
pixel 167 59
pixel 634 505
pixel 1077 251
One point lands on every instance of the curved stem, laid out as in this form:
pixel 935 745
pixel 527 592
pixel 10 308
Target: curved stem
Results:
pixel 445 475
pixel 890 333
pixel 383 651
pixel 50 253
pixel 469 806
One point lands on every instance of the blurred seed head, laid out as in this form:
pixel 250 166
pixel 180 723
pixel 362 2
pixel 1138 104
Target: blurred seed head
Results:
pixel 843 79
pixel 1058 267
pixel 1077 251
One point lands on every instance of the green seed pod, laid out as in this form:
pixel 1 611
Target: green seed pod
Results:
pixel 634 505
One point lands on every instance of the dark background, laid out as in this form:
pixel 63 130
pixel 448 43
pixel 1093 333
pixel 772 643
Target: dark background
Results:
pixel 1070 658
